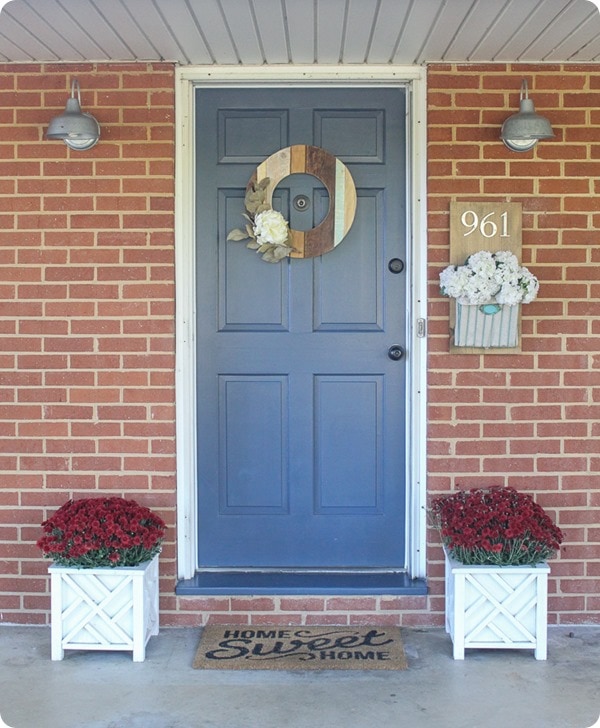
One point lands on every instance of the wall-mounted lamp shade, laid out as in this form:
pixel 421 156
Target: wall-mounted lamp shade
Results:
pixel 77 130
pixel 522 131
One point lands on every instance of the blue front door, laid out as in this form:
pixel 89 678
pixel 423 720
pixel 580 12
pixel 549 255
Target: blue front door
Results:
pixel 301 409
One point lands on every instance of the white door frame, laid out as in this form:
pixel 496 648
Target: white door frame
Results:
pixel 414 78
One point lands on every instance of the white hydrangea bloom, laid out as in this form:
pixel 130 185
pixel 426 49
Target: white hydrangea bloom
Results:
pixel 489 277
pixel 510 294
pixel 270 227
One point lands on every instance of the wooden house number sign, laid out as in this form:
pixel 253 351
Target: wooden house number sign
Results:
pixel 490 226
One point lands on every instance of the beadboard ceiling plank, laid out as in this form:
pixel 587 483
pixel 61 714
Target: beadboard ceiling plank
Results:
pixel 91 35
pixel 552 33
pixel 212 28
pixel 589 54
pixel 479 23
pixel 532 27
pixel 272 30
pixel 389 28
pixel 187 30
pixel 112 30
pixel 330 30
pixel 242 27
pixel 417 30
pixel 301 31
pixel 18 43
pixel 579 46
pixel 361 18
pixel 126 25
pixel 205 32
pixel 10 52
pixel 150 18
pixel 32 44
pixel 567 24
pixel 509 17
pixel 451 18
pixel 59 37
pixel 49 36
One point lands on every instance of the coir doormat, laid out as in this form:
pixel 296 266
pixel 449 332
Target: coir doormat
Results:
pixel 230 647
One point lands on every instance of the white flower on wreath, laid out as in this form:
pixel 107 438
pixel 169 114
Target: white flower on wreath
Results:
pixel 271 227
pixel 489 277
pixel 267 229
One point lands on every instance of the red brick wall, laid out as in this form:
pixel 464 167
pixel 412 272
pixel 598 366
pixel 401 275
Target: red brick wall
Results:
pixel 87 315
pixel 86 308
pixel 529 420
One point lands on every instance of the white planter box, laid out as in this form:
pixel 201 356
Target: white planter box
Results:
pixel 474 327
pixel 502 607
pixel 104 608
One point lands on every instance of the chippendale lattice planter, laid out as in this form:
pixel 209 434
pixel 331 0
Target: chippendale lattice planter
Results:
pixel 502 607
pixel 489 325
pixel 104 608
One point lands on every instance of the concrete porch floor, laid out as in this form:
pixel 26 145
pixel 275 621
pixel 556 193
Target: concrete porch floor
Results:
pixel 490 689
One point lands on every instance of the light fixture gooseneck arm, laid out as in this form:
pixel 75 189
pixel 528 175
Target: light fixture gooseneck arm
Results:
pixel 522 131
pixel 77 129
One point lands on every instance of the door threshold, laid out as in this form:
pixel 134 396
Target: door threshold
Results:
pixel 301 582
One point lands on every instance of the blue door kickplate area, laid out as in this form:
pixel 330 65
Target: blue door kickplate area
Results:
pixel 273 582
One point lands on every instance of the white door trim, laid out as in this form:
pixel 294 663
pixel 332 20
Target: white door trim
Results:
pixel 414 78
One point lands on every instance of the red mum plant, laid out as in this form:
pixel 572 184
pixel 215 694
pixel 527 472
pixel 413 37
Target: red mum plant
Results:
pixel 93 532
pixel 496 526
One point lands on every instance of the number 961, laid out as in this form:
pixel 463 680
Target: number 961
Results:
pixel 485 225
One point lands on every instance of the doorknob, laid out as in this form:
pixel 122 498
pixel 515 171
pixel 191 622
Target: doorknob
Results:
pixel 395 353
pixel 396 265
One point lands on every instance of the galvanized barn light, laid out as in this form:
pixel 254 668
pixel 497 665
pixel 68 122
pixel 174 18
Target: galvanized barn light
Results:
pixel 522 131
pixel 78 130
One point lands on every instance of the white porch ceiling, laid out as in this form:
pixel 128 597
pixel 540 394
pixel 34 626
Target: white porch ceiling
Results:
pixel 253 32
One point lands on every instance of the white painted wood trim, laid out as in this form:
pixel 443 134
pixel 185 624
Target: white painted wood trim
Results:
pixel 415 78
pixel 185 331
pixel 416 384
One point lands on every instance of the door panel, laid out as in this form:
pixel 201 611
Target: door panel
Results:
pixel 348 437
pixel 249 482
pixel 267 288
pixel 301 412
pixel 355 269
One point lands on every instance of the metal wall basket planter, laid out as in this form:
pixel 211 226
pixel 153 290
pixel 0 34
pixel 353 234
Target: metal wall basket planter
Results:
pixel 487 325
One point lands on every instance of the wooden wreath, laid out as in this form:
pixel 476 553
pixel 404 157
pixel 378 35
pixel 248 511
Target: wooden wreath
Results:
pixel 335 176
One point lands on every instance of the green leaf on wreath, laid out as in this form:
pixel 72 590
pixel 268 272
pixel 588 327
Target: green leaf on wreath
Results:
pixel 254 200
pixel 237 235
